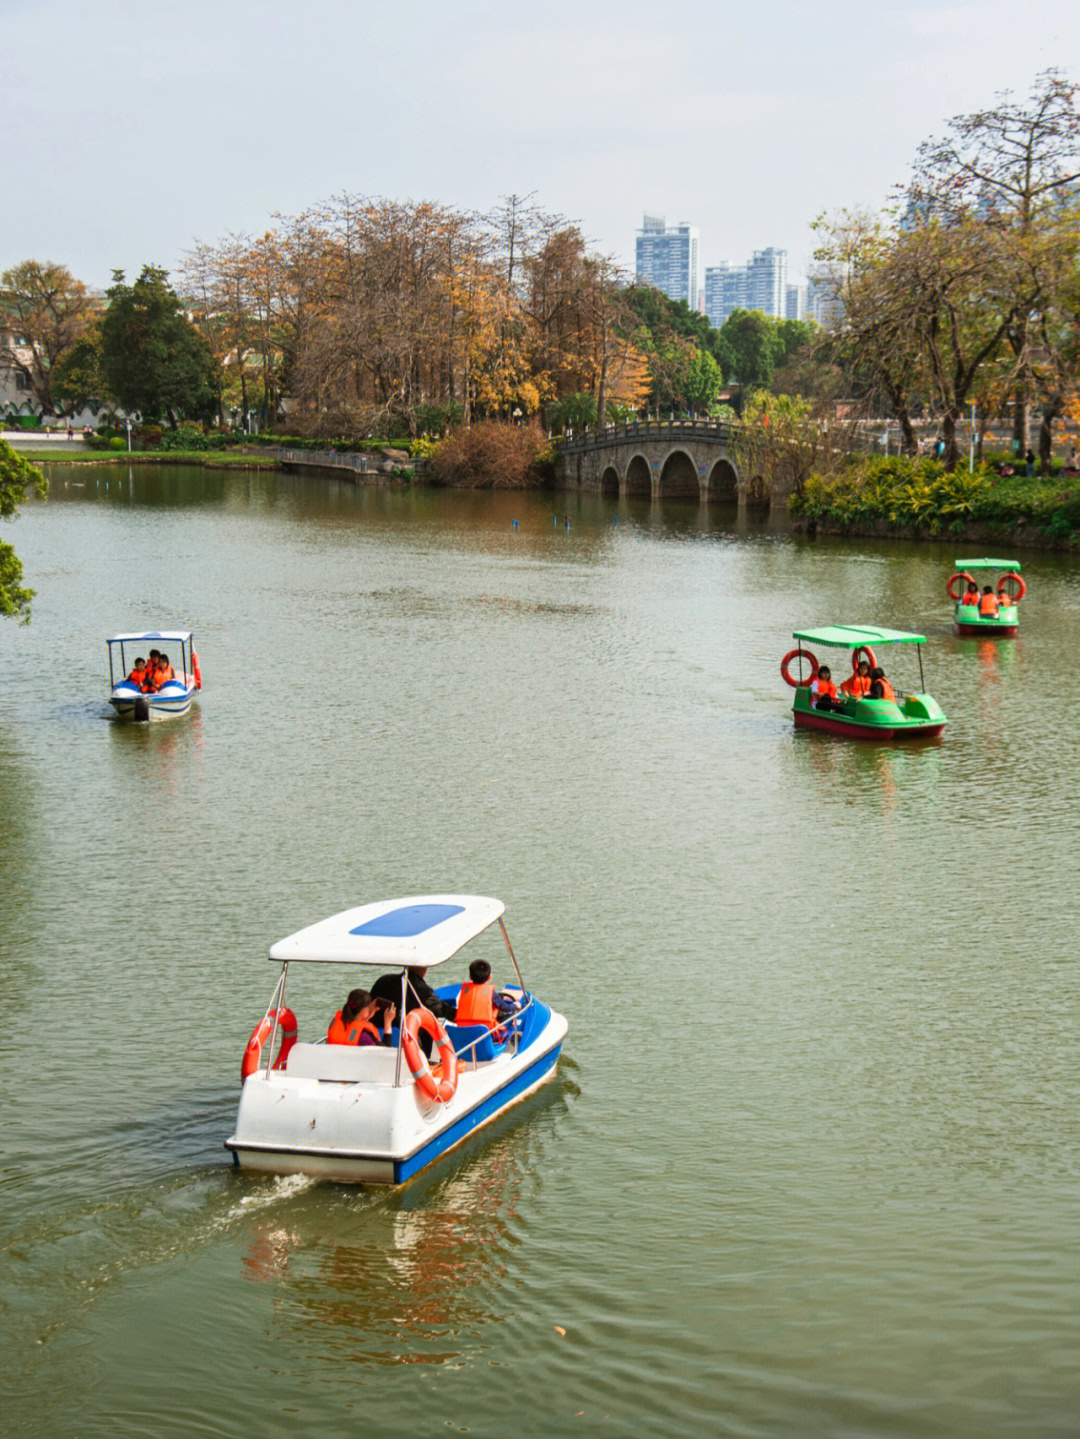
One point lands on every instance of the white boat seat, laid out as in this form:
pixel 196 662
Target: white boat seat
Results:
pixel 345 1063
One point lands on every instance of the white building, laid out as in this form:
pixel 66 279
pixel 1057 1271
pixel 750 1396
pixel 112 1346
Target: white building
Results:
pixel 760 285
pixel 668 259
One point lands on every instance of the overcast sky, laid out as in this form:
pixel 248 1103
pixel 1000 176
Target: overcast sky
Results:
pixel 133 129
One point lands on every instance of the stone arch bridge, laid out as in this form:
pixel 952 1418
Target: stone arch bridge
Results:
pixel 658 459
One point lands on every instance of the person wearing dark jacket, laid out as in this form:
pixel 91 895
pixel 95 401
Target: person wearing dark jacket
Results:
pixel 417 993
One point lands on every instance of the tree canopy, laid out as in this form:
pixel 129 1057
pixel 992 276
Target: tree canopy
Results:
pixel 152 357
pixel 17 477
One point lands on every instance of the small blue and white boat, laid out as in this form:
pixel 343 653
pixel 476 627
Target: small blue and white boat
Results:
pixel 380 1114
pixel 174 697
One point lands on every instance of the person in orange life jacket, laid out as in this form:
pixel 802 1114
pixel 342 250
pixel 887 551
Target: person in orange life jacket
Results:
pixel 988 605
pixel 138 673
pixel 165 670
pixel 476 999
pixel 352 1024
pixel 858 684
pixel 824 690
pixel 877 677
pixel 151 671
pixel 971 594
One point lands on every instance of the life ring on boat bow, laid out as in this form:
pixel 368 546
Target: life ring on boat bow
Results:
pixel 867 654
pixel 964 579
pixel 286 1021
pixel 794 655
pixel 438 1084
pixel 195 670
pixel 1004 595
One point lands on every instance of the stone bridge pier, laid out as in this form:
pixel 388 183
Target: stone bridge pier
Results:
pixel 691 459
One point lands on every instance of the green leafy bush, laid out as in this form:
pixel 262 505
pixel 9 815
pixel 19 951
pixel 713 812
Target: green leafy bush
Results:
pixel 117 443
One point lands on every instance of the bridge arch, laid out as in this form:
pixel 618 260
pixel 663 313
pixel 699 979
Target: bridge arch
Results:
pixel 638 479
pixel 609 481
pixel 679 478
pixel 723 482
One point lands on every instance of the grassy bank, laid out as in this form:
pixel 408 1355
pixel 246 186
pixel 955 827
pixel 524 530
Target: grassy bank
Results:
pixel 208 459
pixel 911 498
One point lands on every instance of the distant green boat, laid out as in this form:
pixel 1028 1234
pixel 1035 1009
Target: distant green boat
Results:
pixel 893 715
pixel 996 617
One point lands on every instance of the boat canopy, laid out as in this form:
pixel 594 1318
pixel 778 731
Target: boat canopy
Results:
pixel 850 637
pixel 177 637
pixel 419 930
pixel 987 564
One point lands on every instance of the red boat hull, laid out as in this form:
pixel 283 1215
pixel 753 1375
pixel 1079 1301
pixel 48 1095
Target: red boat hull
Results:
pixel 1000 632
pixel 815 719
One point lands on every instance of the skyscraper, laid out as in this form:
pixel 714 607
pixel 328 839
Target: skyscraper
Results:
pixel 668 259
pixel 760 285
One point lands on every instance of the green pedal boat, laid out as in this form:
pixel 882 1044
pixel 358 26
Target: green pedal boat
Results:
pixel 865 705
pixel 975 613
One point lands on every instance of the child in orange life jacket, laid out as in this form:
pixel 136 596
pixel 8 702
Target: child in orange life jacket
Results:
pixel 149 682
pixel 824 689
pixel 352 1024
pixel 988 605
pixel 165 670
pixel 138 673
pixel 877 677
pixel 858 684
pixel 476 1001
pixel 971 594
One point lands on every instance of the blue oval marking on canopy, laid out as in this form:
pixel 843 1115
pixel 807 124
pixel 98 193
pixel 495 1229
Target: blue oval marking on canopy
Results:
pixel 410 920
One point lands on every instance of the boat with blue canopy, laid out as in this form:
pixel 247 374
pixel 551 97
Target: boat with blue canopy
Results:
pixel 379 1113
pixel 976 613
pixel 859 707
pixel 132 700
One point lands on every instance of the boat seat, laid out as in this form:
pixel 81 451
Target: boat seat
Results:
pixel 343 1063
pixel 462 1034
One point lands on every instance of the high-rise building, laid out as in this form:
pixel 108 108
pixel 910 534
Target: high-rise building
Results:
pixel 668 259
pixel 795 305
pixel 760 285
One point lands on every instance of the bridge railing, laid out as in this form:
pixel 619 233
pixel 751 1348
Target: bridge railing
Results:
pixel 714 430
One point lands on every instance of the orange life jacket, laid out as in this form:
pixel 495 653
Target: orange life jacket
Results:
pixel 342 1033
pixel 824 688
pixel 136 678
pixel 988 605
pixel 887 691
pixel 857 685
pixel 476 1004
pixel 971 597
pixel 164 672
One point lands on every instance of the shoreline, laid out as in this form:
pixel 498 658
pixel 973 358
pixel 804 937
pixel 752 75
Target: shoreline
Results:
pixel 206 459
pixel 1023 535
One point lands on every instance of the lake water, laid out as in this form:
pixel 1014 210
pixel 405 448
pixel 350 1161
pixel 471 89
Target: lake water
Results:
pixel 811 1165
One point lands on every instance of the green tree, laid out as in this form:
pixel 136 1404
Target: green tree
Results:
pixel 153 358
pixel 50 310
pixel 755 347
pixel 17 476
pixel 78 380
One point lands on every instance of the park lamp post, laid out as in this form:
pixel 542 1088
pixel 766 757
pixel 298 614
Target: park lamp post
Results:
pixel 127 424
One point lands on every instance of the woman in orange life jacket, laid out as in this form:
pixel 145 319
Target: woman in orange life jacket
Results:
pixel 824 690
pixel 858 684
pixel 352 1024
pixel 988 605
pixel 971 594
pixel 165 670
pixel 138 673
pixel 877 677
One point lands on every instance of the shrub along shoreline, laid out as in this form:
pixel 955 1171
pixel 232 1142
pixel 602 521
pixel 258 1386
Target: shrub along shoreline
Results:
pixel 899 498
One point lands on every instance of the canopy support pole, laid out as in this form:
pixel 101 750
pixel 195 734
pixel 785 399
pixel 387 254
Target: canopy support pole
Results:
pixel 922 677
pixel 277 1004
pixel 510 952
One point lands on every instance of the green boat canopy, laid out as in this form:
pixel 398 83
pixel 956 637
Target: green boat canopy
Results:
pixel 850 637
pixel 987 564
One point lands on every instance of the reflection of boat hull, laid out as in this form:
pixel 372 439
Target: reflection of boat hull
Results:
pixel 968 622
pixel 919 717
pixel 377 1132
pixel 171 700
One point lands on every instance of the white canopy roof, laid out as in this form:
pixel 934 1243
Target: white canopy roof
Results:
pixel 421 930
pixel 177 636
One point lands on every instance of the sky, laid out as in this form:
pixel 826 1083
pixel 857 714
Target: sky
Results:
pixel 134 130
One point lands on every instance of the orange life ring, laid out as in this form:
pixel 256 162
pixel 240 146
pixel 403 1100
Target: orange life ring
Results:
pixel 438 1084
pixel 794 655
pixel 964 578
pixel 261 1034
pixel 1003 593
pixel 196 671
pixel 869 654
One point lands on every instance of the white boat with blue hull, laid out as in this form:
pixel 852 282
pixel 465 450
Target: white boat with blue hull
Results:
pixel 130 700
pixel 380 1114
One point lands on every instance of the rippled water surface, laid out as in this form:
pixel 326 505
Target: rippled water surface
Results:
pixel 810 1166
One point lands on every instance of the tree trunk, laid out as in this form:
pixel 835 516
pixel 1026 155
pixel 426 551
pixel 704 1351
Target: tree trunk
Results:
pixel 1051 410
pixel 948 434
